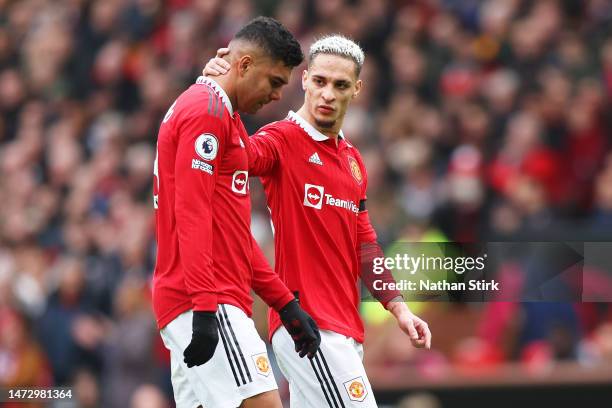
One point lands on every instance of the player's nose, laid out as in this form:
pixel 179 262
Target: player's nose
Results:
pixel 275 95
pixel 328 95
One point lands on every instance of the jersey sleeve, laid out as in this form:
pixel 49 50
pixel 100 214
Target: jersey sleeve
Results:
pixel 267 147
pixel 200 146
pixel 266 282
pixel 368 249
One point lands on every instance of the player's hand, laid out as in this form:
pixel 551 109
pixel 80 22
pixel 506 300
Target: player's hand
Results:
pixel 204 339
pixel 302 328
pixel 217 65
pixel 415 327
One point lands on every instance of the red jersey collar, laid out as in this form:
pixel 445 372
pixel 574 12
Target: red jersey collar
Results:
pixel 217 88
pixel 309 129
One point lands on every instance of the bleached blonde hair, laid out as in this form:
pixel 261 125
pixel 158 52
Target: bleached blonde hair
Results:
pixel 340 45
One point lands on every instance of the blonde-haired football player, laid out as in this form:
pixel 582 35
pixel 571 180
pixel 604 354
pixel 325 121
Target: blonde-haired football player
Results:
pixel 315 184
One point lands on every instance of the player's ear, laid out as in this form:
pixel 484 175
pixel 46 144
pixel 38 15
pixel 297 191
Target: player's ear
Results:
pixel 357 88
pixel 244 64
pixel 304 79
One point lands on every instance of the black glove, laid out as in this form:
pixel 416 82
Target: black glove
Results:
pixel 303 330
pixel 204 339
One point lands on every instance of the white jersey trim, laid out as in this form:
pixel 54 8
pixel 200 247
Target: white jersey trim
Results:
pixel 309 129
pixel 218 89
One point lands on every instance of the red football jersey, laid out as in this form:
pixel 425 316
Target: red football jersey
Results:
pixel 314 189
pixel 206 254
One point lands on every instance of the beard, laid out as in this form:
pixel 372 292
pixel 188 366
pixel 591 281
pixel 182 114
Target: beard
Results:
pixel 325 124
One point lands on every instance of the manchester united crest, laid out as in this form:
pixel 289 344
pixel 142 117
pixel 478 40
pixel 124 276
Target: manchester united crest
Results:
pixel 262 364
pixel 356 389
pixel 355 170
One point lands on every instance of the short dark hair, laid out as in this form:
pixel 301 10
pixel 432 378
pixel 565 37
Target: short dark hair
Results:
pixel 274 39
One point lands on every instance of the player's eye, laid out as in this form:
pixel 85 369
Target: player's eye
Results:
pixel 318 81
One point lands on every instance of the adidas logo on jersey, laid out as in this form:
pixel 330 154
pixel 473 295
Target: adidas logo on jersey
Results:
pixel 315 159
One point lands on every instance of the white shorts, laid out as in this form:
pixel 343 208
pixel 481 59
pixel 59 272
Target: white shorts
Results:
pixel 334 378
pixel 239 369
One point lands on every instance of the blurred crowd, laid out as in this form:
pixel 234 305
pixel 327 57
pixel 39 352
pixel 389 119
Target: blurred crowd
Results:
pixel 478 120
